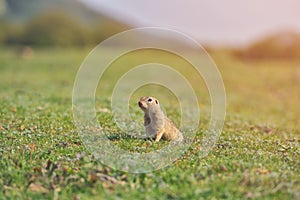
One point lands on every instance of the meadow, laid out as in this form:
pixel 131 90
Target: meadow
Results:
pixel 43 157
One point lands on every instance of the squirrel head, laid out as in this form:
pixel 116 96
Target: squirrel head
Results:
pixel 147 102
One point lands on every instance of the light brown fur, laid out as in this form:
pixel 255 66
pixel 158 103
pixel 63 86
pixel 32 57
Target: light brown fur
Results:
pixel 156 123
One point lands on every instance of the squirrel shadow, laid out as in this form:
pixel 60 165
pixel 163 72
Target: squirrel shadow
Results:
pixel 117 137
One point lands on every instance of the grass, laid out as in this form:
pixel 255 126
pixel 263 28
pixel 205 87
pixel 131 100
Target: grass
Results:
pixel 43 157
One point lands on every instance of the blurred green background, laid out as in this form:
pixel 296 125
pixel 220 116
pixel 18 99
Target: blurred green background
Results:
pixel 43 23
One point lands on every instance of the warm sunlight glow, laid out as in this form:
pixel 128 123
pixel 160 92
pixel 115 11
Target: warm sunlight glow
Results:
pixel 231 22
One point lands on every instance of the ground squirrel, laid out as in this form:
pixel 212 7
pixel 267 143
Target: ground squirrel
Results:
pixel 156 123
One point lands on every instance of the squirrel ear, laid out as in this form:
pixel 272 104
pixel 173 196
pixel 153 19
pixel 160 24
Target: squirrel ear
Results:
pixel 156 101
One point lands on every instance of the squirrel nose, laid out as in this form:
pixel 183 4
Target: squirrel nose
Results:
pixel 140 104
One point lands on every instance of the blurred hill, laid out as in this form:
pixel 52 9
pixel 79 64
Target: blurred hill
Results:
pixel 54 22
pixel 285 45
pixel 22 11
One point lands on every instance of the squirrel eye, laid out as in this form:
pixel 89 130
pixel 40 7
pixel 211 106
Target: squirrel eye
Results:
pixel 149 100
